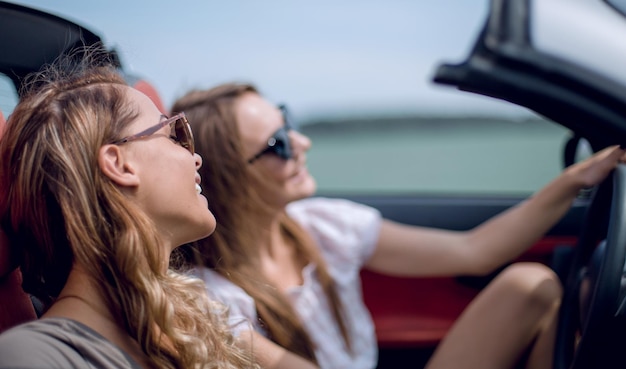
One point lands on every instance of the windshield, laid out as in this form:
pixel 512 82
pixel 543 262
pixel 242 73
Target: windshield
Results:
pixel 620 5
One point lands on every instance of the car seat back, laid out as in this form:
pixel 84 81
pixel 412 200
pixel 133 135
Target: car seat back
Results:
pixel 146 88
pixel 15 305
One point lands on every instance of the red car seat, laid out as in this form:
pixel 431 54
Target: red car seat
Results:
pixel 15 305
pixel 149 90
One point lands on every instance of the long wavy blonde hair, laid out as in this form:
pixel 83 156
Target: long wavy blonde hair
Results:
pixel 58 208
pixel 232 250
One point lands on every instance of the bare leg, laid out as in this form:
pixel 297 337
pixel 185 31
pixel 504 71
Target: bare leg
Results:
pixel 513 316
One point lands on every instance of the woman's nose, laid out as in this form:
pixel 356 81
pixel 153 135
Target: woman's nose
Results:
pixel 299 141
pixel 198 159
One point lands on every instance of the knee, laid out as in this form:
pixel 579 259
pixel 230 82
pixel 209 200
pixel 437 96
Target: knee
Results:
pixel 535 283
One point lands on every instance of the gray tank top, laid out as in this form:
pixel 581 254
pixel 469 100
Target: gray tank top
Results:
pixel 59 343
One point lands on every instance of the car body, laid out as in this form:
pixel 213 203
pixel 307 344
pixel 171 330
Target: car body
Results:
pixel 36 38
pixel 561 59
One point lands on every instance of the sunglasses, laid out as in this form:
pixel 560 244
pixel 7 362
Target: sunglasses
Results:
pixel 180 132
pixel 279 143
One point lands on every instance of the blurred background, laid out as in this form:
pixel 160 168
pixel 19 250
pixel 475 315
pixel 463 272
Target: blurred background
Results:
pixel 322 57
pixel 356 75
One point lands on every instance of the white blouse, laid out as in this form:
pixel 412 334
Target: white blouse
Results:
pixel 346 233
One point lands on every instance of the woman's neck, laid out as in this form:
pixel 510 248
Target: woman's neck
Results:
pixel 80 300
pixel 266 231
pixel 279 258
pixel 81 291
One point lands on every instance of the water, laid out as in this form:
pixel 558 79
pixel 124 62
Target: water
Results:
pixel 470 155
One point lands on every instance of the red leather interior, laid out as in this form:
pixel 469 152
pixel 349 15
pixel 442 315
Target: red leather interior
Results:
pixel 149 90
pixel 418 312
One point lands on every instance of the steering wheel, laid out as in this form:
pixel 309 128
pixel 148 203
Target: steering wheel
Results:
pixel 591 330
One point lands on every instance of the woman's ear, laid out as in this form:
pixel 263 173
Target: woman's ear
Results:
pixel 115 165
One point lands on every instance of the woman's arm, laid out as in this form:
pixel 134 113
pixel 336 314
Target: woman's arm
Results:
pixel 407 250
pixel 270 355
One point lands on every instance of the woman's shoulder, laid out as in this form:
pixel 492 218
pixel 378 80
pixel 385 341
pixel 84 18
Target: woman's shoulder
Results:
pixel 222 289
pixel 325 209
pixel 41 334
pixel 346 231
pixel 240 306
pixel 59 342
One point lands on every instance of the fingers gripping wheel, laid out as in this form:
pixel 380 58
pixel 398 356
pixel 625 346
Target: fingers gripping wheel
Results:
pixel 592 324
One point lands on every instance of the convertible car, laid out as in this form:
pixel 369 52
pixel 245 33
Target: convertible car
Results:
pixel 561 59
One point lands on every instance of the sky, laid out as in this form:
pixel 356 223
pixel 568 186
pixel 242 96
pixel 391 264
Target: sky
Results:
pixel 323 57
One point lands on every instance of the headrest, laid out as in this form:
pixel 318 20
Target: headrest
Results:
pixel 149 90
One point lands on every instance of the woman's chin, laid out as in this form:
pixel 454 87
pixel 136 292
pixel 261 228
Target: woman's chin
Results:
pixel 205 229
pixel 306 188
pixel 312 185
pixel 212 224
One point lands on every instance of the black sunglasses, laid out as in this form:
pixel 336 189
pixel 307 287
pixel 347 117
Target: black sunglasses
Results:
pixel 279 143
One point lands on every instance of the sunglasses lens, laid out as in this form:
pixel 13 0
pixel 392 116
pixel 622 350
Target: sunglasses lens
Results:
pixel 282 145
pixel 183 134
pixel 286 117
pixel 279 144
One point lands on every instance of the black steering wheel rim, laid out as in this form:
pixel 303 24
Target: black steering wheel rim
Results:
pixel 595 339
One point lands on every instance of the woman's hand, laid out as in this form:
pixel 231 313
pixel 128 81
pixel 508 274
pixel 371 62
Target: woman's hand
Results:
pixel 593 170
pixel 407 250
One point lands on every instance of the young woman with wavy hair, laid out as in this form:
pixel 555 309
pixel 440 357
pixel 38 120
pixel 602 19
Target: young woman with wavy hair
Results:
pixel 287 264
pixel 98 188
